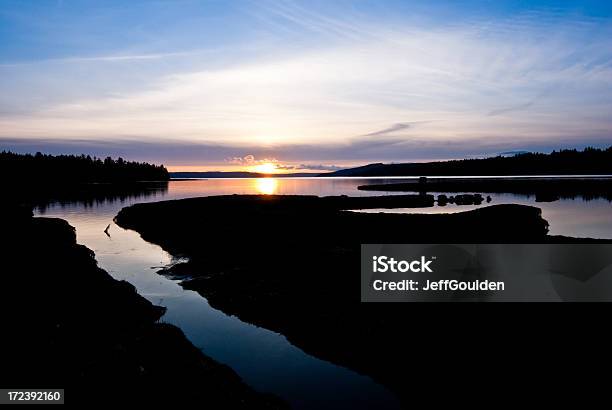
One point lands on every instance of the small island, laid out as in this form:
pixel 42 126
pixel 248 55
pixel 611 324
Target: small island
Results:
pixel 544 189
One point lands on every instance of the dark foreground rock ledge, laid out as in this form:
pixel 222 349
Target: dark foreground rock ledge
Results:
pixel 68 324
pixel 291 264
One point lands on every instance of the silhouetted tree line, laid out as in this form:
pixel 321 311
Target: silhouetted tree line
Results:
pixel 76 169
pixel 564 162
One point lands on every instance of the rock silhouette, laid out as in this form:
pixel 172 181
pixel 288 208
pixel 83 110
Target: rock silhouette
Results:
pixel 73 325
pixel 291 264
pixel 545 189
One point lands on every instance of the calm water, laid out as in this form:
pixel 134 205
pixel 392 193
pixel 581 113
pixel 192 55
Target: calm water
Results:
pixel 264 359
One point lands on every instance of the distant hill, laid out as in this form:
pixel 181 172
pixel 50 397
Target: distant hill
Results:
pixel 16 168
pixel 217 174
pixel 590 161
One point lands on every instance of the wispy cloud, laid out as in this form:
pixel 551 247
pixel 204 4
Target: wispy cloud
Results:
pixel 340 76
pixel 313 167
pixel 249 160
pixel 519 106
pixel 514 108
pixel 394 128
pixel 101 58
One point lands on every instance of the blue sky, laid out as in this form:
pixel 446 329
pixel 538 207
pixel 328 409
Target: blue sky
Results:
pixel 227 84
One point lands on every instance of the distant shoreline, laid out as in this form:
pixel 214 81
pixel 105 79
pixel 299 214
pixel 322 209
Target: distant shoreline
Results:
pixel 547 189
pixel 236 175
pixel 431 177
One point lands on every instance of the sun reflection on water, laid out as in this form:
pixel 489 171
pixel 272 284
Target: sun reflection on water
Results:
pixel 266 186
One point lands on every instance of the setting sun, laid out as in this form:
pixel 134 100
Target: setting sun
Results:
pixel 265 168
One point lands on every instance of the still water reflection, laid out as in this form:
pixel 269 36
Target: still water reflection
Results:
pixel 579 217
pixel 264 359
pixel 266 186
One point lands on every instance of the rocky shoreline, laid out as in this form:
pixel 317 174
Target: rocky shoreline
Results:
pixel 287 263
pixel 69 324
pixel 545 189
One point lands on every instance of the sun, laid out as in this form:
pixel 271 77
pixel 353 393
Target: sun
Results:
pixel 265 168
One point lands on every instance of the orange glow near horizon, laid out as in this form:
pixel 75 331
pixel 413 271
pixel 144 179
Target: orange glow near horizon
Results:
pixel 210 168
pixel 265 168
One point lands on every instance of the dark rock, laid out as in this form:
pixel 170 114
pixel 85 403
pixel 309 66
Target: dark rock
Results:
pixel 468 199
pixel 294 271
pixel 546 197
pixel 67 323
pixel 544 187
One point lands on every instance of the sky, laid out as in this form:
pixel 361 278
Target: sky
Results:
pixel 304 85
